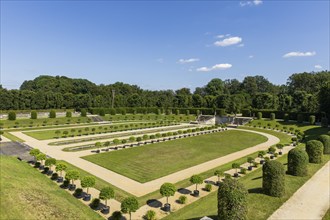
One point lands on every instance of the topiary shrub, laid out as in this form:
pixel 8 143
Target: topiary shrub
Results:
pixel 68 114
pixel 116 215
pixel 95 203
pixel 34 115
pixel 208 187
pixel 314 150
pixel 259 115
pixel 273 178
pixel 272 116
pixel 286 117
pixel 232 200
pixel 150 215
pixel 52 114
pixel 12 116
pixel 297 162
pixel 78 192
pixel 311 119
pixel 183 199
pixel 83 112
pixel 325 139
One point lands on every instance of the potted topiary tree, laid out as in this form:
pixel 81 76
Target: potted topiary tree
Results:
pixel 272 150
pixel 167 190
pixel 34 152
pixel 218 173
pixel 196 179
pixel 261 154
pixel 41 157
pixel 72 175
pixel 105 194
pixel 129 205
pixel 50 162
pixel 98 145
pixel 236 166
pixel 86 182
pixel 116 215
pixel 60 168
pixel 279 147
pixel 116 142
pixel 250 160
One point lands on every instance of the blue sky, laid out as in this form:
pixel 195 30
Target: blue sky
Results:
pixel 162 45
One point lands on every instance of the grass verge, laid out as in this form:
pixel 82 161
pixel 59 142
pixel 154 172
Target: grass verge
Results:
pixel 27 194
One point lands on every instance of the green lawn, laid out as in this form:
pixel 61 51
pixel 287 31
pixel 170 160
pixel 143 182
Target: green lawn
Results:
pixel 260 206
pixel 327 215
pixel 40 122
pixel 90 130
pixel 156 160
pixel 28 194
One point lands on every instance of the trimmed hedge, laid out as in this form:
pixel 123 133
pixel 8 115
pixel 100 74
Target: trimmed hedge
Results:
pixel 12 116
pixel 232 200
pixel 156 110
pixel 297 162
pixel 325 139
pixel 272 116
pixel 52 114
pixel 273 178
pixel 259 115
pixel 34 115
pixel 312 119
pixel 314 150
pixel 83 113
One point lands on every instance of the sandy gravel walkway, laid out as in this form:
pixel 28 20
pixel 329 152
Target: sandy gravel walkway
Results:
pixel 311 201
pixel 134 187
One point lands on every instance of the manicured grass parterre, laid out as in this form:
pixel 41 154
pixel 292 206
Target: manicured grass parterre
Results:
pixel 260 206
pixel 156 160
pixel 41 122
pixel 89 130
pixel 28 194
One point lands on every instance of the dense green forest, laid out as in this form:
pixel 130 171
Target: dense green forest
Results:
pixel 303 92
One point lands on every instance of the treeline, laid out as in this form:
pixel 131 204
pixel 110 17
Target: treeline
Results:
pixel 303 92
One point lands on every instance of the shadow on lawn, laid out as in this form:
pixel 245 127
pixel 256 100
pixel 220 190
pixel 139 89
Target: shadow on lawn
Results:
pixel 315 132
pixel 257 190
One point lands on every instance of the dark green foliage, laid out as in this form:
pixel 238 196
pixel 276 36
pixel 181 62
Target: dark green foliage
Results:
pixel 107 193
pixel 314 150
pixel 34 115
pixel 52 114
pixel 150 215
pixel 68 114
pixel 208 187
pixel 72 175
pixel 95 203
pixel 83 112
pixel 324 122
pixel 300 118
pixel 87 181
pixel 325 139
pixel 183 199
pixel 129 205
pixel 12 116
pixel 196 179
pixel 259 115
pixel 286 117
pixel 232 200
pixel 273 178
pixel 167 190
pixel 311 119
pixel 78 192
pixel 272 116
pixel 116 215
pixel 297 162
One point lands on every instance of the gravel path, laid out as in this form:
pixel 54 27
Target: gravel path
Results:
pixel 311 201
pixel 134 187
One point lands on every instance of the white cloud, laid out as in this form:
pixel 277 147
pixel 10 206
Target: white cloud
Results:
pixel 299 54
pixel 241 45
pixel 318 67
pixel 221 36
pixel 220 66
pixel 228 41
pixel 250 3
pixel 251 56
pixel 191 60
